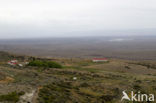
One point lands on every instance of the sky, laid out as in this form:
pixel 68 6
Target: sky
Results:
pixel 65 18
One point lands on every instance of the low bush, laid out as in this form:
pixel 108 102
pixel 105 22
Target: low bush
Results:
pixel 136 87
pixel 127 67
pixel 47 64
pixel 11 97
pixel 54 93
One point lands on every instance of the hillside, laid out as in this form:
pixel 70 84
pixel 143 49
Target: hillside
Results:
pixel 79 81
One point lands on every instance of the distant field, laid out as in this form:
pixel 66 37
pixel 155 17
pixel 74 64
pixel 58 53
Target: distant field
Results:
pixel 133 47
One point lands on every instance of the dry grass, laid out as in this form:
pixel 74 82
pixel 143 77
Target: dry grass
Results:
pixel 7 80
pixel 90 92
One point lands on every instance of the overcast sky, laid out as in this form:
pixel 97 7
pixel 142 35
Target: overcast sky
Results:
pixel 54 18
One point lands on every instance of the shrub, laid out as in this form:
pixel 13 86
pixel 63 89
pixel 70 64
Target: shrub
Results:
pixel 11 97
pixel 107 98
pixel 48 64
pixel 54 93
pixel 137 87
pixel 127 67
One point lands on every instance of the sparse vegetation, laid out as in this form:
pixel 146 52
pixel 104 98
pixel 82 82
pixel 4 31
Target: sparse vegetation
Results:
pixel 94 83
pixel 54 93
pixel 64 92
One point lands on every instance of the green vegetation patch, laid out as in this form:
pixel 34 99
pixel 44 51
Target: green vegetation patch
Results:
pixel 11 97
pixel 46 64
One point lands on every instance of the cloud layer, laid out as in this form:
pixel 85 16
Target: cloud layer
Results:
pixel 48 18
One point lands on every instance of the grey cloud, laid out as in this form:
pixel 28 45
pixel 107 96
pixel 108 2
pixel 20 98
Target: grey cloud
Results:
pixel 48 18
